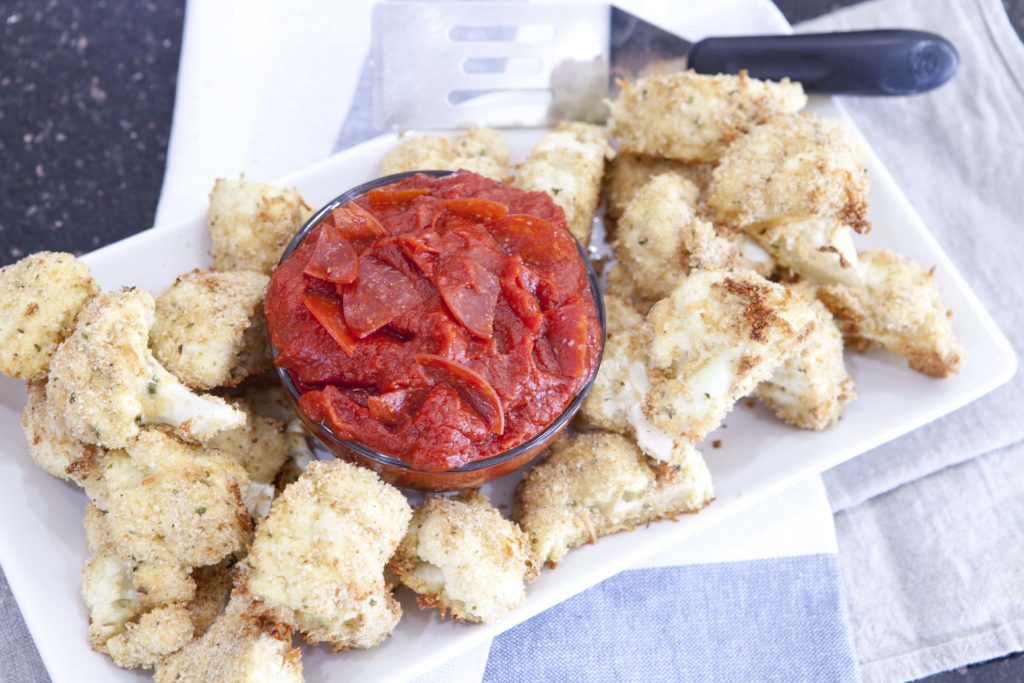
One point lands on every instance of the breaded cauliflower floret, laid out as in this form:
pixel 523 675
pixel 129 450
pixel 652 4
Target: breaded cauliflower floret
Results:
pixel 627 173
pixel 40 296
pixel 213 586
pixel 811 389
pixel 797 185
pixel 660 238
pixel 175 503
pixel 210 330
pixel 261 446
pixel 251 224
pixel 899 308
pixel 568 164
pixel 106 383
pixel 110 597
pixel 157 634
pixel 597 483
pixel 480 150
pixel 48 443
pixel 240 647
pixel 713 341
pixel 691 117
pixel 460 554
pixel 318 558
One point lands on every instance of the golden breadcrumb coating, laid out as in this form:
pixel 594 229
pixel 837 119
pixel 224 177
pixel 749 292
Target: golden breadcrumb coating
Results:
pixel 691 117
pixel 318 558
pixel 899 308
pixel 110 597
pixel 213 586
pixel 105 383
pixel 161 583
pixel 40 296
pixel 48 444
pixel 480 150
pixel 620 283
pixel 261 446
pixel 251 224
pixel 240 647
pixel 175 503
pixel 627 173
pixel 811 389
pixel 210 330
pixel 713 341
pixel 568 164
pixel 460 554
pixel 597 483
pixel 660 238
pixel 157 634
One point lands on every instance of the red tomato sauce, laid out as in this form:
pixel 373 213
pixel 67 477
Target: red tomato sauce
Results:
pixel 437 320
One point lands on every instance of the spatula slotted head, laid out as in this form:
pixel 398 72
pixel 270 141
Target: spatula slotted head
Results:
pixel 500 64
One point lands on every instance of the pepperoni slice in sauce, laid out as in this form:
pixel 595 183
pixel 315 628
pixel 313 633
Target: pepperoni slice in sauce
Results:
pixel 334 258
pixel 476 208
pixel 534 239
pixel 562 348
pixel 471 386
pixel 327 311
pixel 396 196
pixel 470 292
pixel 379 295
pixel 515 290
pixel 394 407
pixel 357 225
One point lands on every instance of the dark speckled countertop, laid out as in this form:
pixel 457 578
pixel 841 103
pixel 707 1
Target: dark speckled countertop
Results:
pixel 86 98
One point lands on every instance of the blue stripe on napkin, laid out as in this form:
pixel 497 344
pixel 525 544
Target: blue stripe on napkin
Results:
pixel 779 619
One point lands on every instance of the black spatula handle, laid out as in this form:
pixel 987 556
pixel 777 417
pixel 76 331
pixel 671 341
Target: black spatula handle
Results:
pixel 887 62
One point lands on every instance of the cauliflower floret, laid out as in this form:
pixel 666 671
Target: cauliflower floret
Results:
pixel 213 585
pixel 811 389
pixel 318 558
pixel 110 597
pixel 106 383
pixel 661 238
pixel 157 634
pixel 240 647
pixel 251 224
pixel 597 483
pixel 480 150
pixel 261 446
pixel 40 296
pixel 627 173
pixel 210 330
pixel 568 164
pixel 713 341
pixel 460 554
pixel 899 308
pixel 48 443
pixel 691 117
pixel 797 185
pixel 175 503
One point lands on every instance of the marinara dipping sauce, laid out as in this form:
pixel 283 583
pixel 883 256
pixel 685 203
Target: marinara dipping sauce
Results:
pixel 438 320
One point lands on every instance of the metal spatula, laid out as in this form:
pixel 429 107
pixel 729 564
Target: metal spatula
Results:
pixel 458 64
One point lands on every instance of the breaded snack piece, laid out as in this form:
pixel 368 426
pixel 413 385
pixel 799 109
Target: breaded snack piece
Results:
pixel 260 446
pixel 618 389
pixel 239 647
pixel 597 483
pixel 48 444
pixel 299 454
pixel 210 330
pixel 318 558
pixel 797 185
pixel 713 340
pixel 106 384
pixel 157 634
pixel 627 173
pixel 40 296
pixel 162 583
pixel 811 388
pixel 899 308
pixel 568 164
pixel 691 117
pixel 660 238
pixel 460 554
pixel 110 597
pixel 480 150
pixel 175 503
pixel 620 283
pixel 213 586
pixel 251 224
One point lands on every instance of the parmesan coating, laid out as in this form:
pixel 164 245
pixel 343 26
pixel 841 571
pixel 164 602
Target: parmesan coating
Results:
pixel 899 308
pixel 690 117
pixel 460 554
pixel 106 384
pixel 260 446
pixel 40 296
pixel 481 150
pixel 598 483
pixel 213 586
pixel 157 634
pixel 318 558
pixel 251 224
pixel 661 238
pixel 627 173
pixel 568 164
pixel 209 329
pixel 175 503
pixel 48 444
pixel 240 647
pixel 811 388
pixel 713 341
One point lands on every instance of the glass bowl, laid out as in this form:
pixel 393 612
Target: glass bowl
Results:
pixel 396 471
